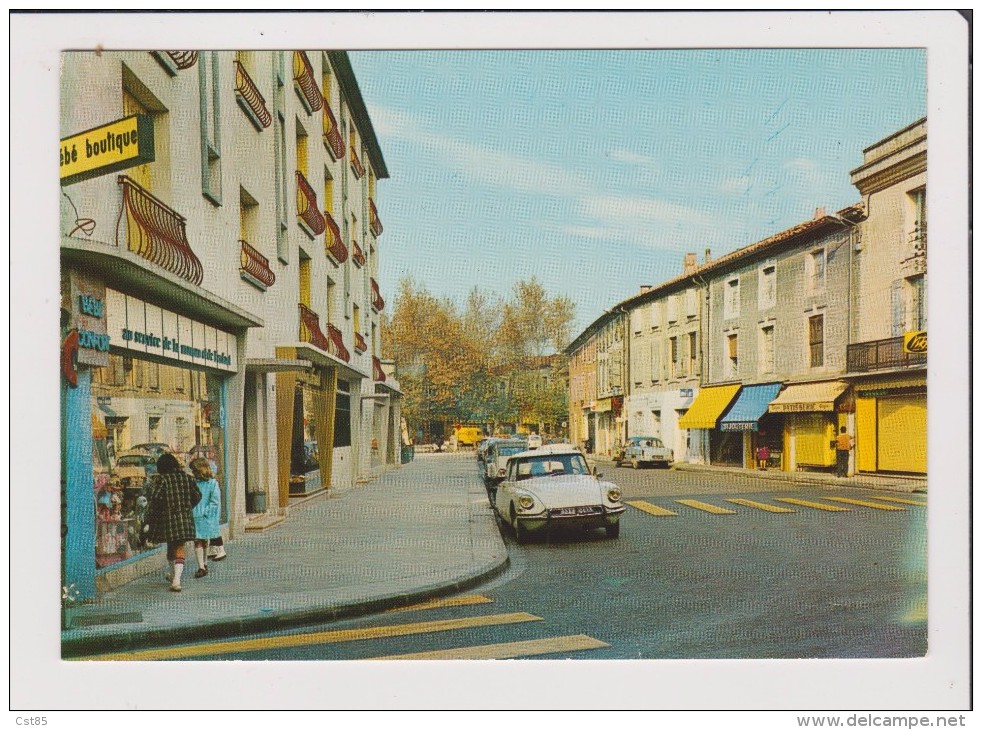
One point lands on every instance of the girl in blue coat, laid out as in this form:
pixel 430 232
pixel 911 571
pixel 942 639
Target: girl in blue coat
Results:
pixel 206 512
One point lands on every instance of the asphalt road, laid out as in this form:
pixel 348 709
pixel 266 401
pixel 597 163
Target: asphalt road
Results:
pixel 693 575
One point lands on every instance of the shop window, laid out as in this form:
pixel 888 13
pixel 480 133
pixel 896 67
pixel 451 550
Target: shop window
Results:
pixel 731 299
pixel 342 417
pixel 132 425
pixel 767 296
pixel 211 140
pixel 767 349
pixel 732 355
pixel 816 340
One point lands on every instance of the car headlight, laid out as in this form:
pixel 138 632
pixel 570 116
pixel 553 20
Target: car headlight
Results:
pixel 526 502
pixel 614 495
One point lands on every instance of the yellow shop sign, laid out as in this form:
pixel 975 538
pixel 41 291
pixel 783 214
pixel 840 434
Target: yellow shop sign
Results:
pixel 915 343
pixel 111 147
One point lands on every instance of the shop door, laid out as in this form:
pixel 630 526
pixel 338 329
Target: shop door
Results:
pixel 866 434
pixel 814 433
pixel 902 434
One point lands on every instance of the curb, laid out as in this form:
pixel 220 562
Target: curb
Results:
pixel 79 647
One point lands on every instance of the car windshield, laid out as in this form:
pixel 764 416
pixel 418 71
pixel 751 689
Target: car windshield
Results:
pixel 551 464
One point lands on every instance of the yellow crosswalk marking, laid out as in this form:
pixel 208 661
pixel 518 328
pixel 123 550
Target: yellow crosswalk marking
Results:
pixel 863 503
pixel 711 508
pixel 443 603
pixel 900 500
pixel 761 505
pixel 815 505
pixel 651 508
pixel 509 650
pixel 320 637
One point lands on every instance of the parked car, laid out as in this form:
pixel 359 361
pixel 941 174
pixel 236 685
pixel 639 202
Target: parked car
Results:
pixel 496 462
pixel 648 451
pixel 545 489
pixel 134 467
pixel 534 440
pixel 621 448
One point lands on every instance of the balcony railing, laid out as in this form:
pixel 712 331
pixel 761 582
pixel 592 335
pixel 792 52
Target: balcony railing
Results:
pixel 337 344
pixel 156 232
pixel 916 258
pixel 332 134
pixel 360 343
pixel 377 372
pixel 333 243
pixel 885 354
pixel 378 304
pixel 375 225
pixel 307 211
pixel 304 83
pixel 174 61
pixel 254 267
pixel 249 98
pixel 310 329
pixel 356 166
pixel 357 255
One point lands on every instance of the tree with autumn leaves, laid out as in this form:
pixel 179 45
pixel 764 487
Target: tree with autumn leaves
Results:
pixel 491 362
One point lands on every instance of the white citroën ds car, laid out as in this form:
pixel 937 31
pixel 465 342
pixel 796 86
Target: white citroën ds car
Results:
pixel 553 487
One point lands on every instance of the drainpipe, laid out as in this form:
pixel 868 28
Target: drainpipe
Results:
pixel 703 360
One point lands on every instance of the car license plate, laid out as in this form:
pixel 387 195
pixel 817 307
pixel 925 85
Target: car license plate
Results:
pixel 575 511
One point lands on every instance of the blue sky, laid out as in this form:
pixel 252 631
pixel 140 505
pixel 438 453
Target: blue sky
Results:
pixel 597 170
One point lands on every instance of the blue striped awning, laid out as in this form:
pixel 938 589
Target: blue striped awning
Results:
pixel 749 406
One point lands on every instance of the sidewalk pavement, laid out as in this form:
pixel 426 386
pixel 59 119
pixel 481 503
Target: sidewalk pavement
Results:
pixel 416 532
pixel 862 481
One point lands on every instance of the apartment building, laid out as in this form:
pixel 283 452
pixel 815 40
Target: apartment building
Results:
pixel 220 256
pixel 887 349
pixel 583 393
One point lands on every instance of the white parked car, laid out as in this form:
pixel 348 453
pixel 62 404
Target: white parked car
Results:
pixel 496 461
pixel 534 441
pixel 640 451
pixel 553 487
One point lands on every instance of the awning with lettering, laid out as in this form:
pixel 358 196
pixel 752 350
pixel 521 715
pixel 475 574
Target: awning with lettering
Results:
pixel 708 406
pixel 749 406
pixel 808 397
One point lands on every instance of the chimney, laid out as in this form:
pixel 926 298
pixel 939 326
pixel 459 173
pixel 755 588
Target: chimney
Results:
pixel 819 213
pixel 708 256
pixel 645 287
pixel 689 263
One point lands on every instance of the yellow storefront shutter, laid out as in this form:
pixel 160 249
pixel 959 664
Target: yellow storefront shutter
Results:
pixel 865 434
pixel 902 431
pixel 813 433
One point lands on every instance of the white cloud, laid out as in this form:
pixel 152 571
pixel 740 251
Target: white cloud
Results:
pixel 632 158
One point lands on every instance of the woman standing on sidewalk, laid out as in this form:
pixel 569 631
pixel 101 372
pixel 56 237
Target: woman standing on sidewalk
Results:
pixel 206 512
pixel 170 513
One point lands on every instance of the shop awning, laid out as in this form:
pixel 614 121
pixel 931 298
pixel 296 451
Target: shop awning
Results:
pixel 808 397
pixel 749 406
pixel 708 406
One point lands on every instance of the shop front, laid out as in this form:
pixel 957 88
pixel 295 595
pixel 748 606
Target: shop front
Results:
pixel 138 380
pixel 891 425
pixel 812 415
pixel 703 415
pixel 749 427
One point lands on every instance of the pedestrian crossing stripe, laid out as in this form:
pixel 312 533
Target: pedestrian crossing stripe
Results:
pixel 761 505
pixel 863 503
pixel 510 650
pixel 900 500
pixel 651 508
pixel 815 505
pixel 711 508
pixel 320 637
pixel 443 603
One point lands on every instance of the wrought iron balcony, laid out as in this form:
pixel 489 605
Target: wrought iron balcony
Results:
pixel 310 329
pixel 337 344
pixel 358 256
pixel 377 373
pixel 249 98
pixel 374 224
pixel 916 259
pixel 304 82
pixel 360 343
pixel 887 354
pixel 356 166
pixel 174 61
pixel 254 267
pixel 378 304
pixel 156 232
pixel 310 218
pixel 332 134
pixel 333 243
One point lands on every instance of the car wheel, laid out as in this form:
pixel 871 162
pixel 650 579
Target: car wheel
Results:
pixel 613 531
